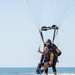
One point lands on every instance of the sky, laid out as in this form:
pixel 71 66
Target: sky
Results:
pixel 19 35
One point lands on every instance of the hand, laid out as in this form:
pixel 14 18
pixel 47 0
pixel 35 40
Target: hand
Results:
pixel 39 50
pixel 45 67
pixel 50 63
pixel 39 71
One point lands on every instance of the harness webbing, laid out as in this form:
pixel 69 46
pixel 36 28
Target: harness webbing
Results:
pixel 41 36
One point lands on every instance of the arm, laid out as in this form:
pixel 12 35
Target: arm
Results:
pixel 51 58
pixel 58 52
pixel 40 51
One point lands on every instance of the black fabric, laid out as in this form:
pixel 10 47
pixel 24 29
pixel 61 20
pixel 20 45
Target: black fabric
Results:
pixel 54 65
pixel 51 46
pixel 44 28
pixel 45 57
pixel 42 64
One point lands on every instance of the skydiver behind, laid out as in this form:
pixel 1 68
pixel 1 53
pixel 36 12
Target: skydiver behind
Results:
pixel 53 58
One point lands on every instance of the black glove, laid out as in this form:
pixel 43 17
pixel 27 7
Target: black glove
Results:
pixel 39 71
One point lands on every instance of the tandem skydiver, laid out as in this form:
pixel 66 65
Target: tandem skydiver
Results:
pixel 54 53
pixel 45 60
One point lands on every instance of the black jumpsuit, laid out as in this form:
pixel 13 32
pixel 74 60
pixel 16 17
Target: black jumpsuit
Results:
pixel 52 49
pixel 44 60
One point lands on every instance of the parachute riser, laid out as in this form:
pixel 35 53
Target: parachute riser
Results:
pixel 44 28
pixel 54 34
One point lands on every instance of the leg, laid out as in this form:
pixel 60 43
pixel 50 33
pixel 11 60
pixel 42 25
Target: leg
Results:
pixel 54 68
pixel 55 73
pixel 46 71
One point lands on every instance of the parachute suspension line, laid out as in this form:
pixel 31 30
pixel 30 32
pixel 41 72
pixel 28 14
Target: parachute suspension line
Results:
pixel 39 11
pixel 31 10
pixel 24 8
pixel 36 13
pixel 69 9
pixel 42 11
pixel 52 15
pixel 35 10
pixel 40 18
pixel 56 11
pixel 37 17
pixel 31 13
pixel 62 9
pixel 40 5
pixel 53 11
pixel 59 10
pixel 66 11
pixel 19 5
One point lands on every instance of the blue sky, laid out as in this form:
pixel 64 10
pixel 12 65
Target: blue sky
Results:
pixel 19 36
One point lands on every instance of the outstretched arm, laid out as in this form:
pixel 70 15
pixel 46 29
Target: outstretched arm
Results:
pixel 40 51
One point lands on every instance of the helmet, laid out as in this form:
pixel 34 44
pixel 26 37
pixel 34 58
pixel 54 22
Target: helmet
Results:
pixel 48 40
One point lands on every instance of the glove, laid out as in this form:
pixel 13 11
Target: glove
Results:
pixel 39 71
